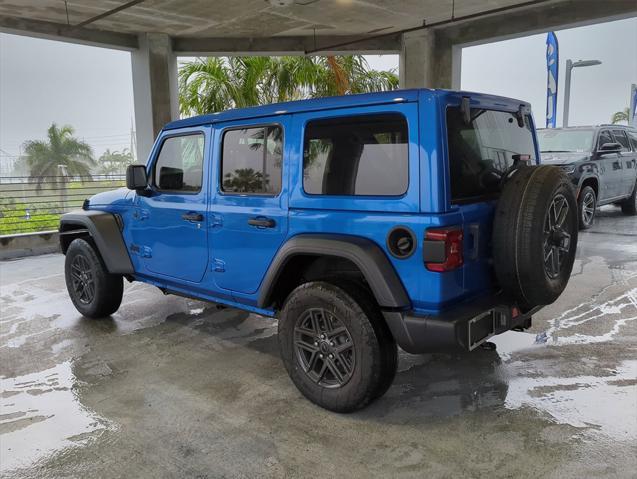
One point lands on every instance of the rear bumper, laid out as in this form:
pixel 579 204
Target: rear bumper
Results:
pixel 462 328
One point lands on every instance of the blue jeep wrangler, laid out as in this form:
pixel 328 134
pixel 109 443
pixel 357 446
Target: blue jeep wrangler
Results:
pixel 416 218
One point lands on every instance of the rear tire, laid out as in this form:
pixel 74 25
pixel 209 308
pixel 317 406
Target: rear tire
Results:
pixel 320 319
pixel 586 206
pixel 629 205
pixel 94 291
pixel 535 235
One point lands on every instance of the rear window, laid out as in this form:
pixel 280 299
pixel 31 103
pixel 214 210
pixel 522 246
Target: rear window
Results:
pixel 357 155
pixel 481 151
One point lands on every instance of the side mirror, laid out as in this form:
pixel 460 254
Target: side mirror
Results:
pixel 610 148
pixel 136 177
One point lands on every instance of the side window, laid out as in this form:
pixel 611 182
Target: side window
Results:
pixel 633 139
pixel 622 139
pixel 251 160
pixel 358 155
pixel 179 166
pixel 604 137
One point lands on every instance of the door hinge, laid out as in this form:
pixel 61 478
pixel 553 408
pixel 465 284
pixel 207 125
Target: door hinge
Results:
pixel 143 251
pixel 218 265
pixel 141 214
pixel 216 220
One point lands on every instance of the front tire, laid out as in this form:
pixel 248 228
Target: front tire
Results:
pixel 336 346
pixel 586 205
pixel 629 205
pixel 95 292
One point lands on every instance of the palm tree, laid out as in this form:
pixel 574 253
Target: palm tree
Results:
pixel 244 180
pixel 214 84
pixel 115 162
pixel 60 156
pixel 620 116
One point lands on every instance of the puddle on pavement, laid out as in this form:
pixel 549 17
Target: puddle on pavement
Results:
pixel 512 341
pixel 40 414
pixel 607 317
pixel 606 403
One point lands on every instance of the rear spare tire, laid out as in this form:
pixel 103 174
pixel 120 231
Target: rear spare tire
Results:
pixel 535 235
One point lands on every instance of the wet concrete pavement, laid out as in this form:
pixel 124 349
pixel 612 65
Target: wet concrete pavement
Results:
pixel 170 387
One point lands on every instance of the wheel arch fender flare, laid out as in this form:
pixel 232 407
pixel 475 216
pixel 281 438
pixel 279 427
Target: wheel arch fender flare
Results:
pixel 104 230
pixel 588 178
pixel 373 263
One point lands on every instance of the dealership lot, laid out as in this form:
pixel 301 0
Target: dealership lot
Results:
pixel 175 387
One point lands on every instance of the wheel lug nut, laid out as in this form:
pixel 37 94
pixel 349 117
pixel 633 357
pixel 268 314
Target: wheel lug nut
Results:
pixel 322 336
pixel 331 356
pixel 321 356
pixel 315 343
pixel 332 344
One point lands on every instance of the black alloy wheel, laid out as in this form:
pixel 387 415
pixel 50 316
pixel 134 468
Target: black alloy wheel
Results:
pixel 587 206
pixel 82 279
pixel 95 292
pixel 324 348
pixel 335 344
pixel 557 239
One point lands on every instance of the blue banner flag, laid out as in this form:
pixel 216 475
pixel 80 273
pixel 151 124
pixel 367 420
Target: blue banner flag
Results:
pixel 552 66
pixel 632 112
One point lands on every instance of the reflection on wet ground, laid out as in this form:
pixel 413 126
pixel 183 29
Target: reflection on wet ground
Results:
pixel 170 387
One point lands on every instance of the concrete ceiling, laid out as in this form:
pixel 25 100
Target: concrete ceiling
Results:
pixel 296 26
pixel 250 18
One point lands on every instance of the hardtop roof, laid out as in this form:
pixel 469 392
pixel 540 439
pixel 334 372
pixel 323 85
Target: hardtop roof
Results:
pixel 334 102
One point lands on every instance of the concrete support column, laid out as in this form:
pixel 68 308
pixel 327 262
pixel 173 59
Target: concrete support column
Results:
pixel 429 59
pixel 155 90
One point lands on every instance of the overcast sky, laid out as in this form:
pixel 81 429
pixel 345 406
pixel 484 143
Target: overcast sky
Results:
pixel 91 89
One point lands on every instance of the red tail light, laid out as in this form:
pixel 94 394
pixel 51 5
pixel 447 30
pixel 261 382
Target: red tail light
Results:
pixel 443 249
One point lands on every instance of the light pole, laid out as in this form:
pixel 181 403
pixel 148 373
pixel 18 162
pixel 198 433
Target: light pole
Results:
pixel 567 87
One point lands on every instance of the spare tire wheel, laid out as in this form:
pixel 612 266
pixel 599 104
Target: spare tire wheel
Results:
pixel 535 235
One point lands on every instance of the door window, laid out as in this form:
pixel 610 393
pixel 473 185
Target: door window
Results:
pixel 622 139
pixel 179 166
pixel 604 137
pixel 358 155
pixel 251 160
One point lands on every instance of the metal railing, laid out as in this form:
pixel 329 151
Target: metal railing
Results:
pixel 32 205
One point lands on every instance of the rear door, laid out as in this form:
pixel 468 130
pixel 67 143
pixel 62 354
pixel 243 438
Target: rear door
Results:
pixel 479 154
pixel 627 158
pixel 632 174
pixel 249 212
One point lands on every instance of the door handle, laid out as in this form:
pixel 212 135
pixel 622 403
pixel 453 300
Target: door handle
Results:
pixel 192 216
pixel 262 222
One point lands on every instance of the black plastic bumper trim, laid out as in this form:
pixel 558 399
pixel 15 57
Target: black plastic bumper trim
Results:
pixel 461 329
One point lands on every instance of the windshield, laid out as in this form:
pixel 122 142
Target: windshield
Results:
pixel 556 141
pixel 484 149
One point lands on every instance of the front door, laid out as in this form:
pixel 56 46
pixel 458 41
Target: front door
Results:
pixel 628 159
pixel 249 212
pixel 610 169
pixel 169 220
